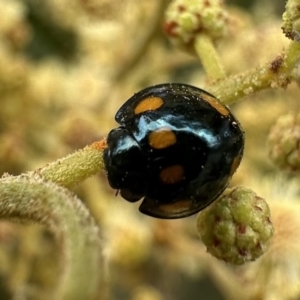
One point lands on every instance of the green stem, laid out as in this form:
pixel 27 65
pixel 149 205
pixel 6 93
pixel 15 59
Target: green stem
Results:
pixel 28 198
pixel 209 57
pixel 274 74
pixel 75 167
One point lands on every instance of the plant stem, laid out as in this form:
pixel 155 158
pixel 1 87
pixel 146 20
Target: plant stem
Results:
pixel 209 57
pixel 75 167
pixel 29 198
pixel 274 74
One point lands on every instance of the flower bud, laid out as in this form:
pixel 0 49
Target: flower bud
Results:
pixel 185 19
pixel 284 141
pixel 236 228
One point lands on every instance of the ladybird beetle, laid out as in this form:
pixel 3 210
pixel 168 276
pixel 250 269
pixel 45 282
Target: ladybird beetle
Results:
pixel 177 147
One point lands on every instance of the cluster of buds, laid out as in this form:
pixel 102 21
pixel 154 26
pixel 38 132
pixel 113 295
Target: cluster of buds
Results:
pixel 185 19
pixel 291 20
pixel 284 143
pixel 237 227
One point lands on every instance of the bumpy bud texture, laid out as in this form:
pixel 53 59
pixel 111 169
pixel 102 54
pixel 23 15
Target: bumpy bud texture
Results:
pixel 186 18
pixel 236 228
pixel 284 143
pixel 291 20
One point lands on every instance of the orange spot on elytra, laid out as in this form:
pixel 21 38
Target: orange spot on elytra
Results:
pixel 150 103
pixel 162 138
pixel 216 104
pixel 172 174
pixel 176 207
pixel 235 164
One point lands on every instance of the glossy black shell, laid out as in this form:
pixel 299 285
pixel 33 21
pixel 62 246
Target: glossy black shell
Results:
pixel 208 148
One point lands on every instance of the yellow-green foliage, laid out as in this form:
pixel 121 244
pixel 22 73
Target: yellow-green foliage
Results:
pixel 65 68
